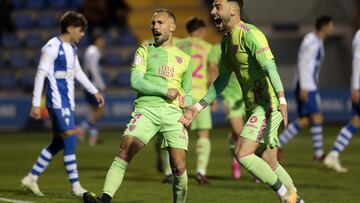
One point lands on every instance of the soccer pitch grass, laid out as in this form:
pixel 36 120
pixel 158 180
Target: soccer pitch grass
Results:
pixel 142 183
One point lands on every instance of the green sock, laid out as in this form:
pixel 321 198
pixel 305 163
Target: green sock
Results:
pixel 285 178
pixel 166 162
pixel 259 168
pixel 114 176
pixel 262 171
pixel 180 188
pixel 203 148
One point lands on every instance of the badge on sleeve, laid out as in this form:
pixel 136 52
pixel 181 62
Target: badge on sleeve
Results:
pixel 137 59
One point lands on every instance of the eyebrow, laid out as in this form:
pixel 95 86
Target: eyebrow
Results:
pixel 216 4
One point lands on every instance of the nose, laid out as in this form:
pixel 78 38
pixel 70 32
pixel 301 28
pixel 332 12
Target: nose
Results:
pixel 213 11
pixel 156 26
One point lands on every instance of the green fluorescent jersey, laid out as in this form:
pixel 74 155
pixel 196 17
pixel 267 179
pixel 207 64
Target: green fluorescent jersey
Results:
pixel 199 50
pixel 245 51
pixel 233 90
pixel 155 69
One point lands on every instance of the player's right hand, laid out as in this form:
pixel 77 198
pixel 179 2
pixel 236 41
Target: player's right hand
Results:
pixel 190 114
pixel 284 113
pixel 303 95
pixel 355 96
pixel 35 112
pixel 100 99
pixel 172 93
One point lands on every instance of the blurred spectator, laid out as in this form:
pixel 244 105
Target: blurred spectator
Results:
pixel 118 13
pixel 6 24
pixel 356 15
pixel 97 14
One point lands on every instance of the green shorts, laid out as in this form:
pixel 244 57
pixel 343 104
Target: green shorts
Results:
pixel 262 126
pixel 147 121
pixel 203 120
pixel 234 108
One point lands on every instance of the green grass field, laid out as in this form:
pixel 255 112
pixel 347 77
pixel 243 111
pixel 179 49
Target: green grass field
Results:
pixel 142 182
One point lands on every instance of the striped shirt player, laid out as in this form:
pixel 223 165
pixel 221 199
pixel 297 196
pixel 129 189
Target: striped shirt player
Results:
pixel 59 67
pixel 310 57
pixel 347 132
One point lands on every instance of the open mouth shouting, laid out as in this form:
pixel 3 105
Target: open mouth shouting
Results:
pixel 218 23
pixel 156 35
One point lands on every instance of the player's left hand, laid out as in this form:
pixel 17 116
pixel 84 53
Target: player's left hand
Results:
pixel 190 113
pixel 284 113
pixel 100 99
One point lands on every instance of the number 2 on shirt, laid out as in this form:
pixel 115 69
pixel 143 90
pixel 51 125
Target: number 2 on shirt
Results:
pixel 196 73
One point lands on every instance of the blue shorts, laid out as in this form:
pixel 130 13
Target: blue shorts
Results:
pixel 355 111
pixel 62 119
pixel 91 99
pixel 311 106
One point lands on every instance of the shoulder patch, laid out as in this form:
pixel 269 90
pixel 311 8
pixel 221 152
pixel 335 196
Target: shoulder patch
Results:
pixel 138 59
pixel 179 59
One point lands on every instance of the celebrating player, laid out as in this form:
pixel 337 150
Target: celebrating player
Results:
pixel 59 65
pixel 92 58
pixel 245 51
pixel 347 132
pixel 161 74
pixel 311 54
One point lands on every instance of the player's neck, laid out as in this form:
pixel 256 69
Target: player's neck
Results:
pixel 232 24
pixel 65 38
pixel 167 43
pixel 321 35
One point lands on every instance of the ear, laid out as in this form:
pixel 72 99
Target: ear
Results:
pixel 69 29
pixel 172 27
pixel 233 11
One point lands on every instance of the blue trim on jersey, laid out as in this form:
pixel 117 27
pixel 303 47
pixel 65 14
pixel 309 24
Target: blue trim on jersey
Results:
pixel 317 67
pixel 60 65
pixel 49 92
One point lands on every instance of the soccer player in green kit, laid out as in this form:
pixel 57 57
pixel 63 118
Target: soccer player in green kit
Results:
pixel 234 108
pixel 161 74
pixel 245 52
pixel 202 75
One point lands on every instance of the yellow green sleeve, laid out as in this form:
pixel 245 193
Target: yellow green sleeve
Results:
pixel 186 84
pixel 274 76
pixel 258 46
pixel 219 84
pixel 138 80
